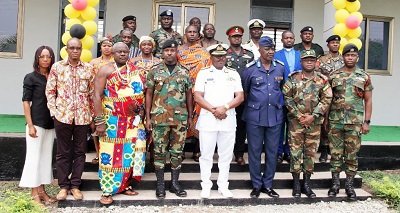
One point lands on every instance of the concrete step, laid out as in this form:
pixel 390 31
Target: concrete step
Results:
pixel 240 197
pixel 237 180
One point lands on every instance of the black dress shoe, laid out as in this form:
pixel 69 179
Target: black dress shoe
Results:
pixel 240 161
pixel 255 193
pixel 286 157
pixel 270 192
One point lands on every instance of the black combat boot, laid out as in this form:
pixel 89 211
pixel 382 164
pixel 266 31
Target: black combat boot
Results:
pixel 334 190
pixel 307 186
pixel 160 190
pixel 351 194
pixel 324 154
pixel 296 185
pixel 175 187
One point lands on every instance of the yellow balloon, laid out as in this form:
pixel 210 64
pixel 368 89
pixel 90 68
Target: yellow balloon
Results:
pixel 70 11
pixel 65 37
pixel 355 33
pixel 339 4
pixel 358 15
pixel 87 42
pixel 70 22
pixel 93 3
pixel 340 29
pixel 89 13
pixel 343 42
pixel 63 52
pixel 90 26
pixel 357 42
pixel 86 55
pixel 341 15
pixel 353 6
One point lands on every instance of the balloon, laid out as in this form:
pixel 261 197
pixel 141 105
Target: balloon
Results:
pixel 339 4
pixel 87 42
pixel 340 29
pixel 70 22
pixel 353 6
pixel 357 42
pixel 79 4
pixel 65 37
pixel 63 52
pixel 90 26
pixel 341 15
pixel 343 42
pixel 93 3
pixel 352 22
pixel 355 33
pixel 70 12
pixel 89 13
pixel 358 15
pixel 86 55
pixel 77 31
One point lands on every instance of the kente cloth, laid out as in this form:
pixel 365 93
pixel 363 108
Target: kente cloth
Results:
pixel 123 148
pixel 195 58
pixel 143 64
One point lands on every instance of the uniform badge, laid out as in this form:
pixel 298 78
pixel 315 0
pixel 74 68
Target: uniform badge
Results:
pixel 229 63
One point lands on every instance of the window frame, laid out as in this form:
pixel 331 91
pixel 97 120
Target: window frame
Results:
pixel 183 4
pixel 20 34
pixel 390 20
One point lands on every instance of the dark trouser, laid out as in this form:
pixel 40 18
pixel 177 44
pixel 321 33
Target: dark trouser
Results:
pixel 70 157
pixel 260 139
pixel 240 145
pixel 283 147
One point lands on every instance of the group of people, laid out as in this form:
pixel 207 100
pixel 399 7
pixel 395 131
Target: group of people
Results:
pixel 165 88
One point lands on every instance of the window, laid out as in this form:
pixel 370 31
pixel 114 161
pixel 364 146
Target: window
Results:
pixel 376 53
pixel 183 12
pixel 11 29
pixel 275 31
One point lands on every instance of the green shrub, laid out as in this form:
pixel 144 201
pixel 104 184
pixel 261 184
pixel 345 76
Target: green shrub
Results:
pixel 19 202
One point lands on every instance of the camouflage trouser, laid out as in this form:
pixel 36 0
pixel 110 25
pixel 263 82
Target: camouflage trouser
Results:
pixel 303 144
pixel 344 142
pixel 171 138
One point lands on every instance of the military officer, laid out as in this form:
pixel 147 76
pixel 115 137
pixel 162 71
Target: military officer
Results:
pixel 218 90
pixel 256 27
pixel 165 32
pixel 307 98
pixel 262 83
pixel 128 22
pixel 307 36
pixel 237 58
pixel 169 107
pixel 349 117
pixel 327 64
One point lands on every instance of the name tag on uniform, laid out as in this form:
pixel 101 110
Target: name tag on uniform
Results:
pixel 230 79
pixel 210 80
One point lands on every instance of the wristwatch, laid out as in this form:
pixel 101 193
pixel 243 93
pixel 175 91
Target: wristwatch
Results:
pixel 367 121
pixel 226 106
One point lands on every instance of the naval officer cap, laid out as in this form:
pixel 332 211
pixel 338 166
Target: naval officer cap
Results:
pixel 167 13
pixel 170 43
pixel 266 41
pixel 308 54
pixel 307 29
pixel 349 48
pixel 130 17
pixel 333 38
pixel 218 49
pixel 256 23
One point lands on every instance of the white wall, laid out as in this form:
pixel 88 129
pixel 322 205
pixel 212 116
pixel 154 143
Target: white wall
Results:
pixel 41 23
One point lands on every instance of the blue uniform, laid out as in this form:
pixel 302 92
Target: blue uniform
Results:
pixel 263 114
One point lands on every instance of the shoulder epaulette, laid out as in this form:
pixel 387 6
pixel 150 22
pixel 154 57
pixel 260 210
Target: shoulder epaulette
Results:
pixel 229 68
pixel 279 62
pixel 251 64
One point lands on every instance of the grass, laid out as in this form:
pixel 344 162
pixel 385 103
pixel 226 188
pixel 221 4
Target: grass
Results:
pixel 385 185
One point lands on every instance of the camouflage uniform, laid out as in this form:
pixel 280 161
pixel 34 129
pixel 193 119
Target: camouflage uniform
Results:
pixel 305 96
pixel 168 112
pixel 346 117
pixel 160 36
pixel 327 64
pixel 135 40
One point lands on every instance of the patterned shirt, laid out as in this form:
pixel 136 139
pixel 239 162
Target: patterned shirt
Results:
pixel 328 63
pixel 160 36
pixel 169 100
pixel 99 62
pixel 69 92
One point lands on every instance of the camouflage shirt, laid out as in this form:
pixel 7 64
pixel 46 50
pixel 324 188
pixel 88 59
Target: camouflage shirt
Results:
pixel 307 96
pixel 348 96
pixel 160 36
pixel 135 40
pixel 328 63
pixel 316 47
pixel 169 97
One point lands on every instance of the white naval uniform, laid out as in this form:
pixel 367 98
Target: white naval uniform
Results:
pixel 219 87
pixel 253 48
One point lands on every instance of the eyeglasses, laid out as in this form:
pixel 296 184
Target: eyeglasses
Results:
pixel 45 57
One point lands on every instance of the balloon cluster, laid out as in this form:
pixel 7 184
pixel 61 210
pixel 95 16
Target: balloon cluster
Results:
pixel 348 21
pixel 80 24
